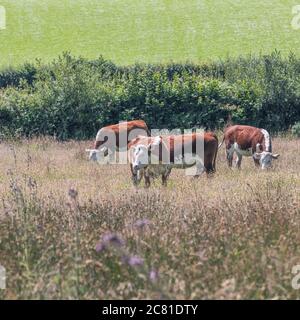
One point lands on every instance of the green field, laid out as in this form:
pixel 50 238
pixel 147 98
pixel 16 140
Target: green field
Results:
pixel 146 30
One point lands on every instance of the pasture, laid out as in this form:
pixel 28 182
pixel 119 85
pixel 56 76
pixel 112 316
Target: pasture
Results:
pixel 234 236
pixel 148 31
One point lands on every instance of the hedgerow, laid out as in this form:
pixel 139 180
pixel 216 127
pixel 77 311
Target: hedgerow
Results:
pixel 73 97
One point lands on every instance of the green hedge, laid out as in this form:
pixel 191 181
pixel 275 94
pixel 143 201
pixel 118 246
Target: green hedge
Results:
pixel 73 97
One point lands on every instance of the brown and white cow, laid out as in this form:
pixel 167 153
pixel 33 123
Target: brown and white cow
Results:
pixel 248 141
pixel 116 137
pixel 157 156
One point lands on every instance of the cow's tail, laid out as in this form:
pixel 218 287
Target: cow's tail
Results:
pixel 220 145
pixel 215 158
pixel 215 154
pixel 148 132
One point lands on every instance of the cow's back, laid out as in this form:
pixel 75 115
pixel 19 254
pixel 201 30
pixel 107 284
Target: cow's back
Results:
pixel 245 136
pixel 121 133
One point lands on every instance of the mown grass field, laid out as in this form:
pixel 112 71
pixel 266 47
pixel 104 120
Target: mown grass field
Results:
pixel 146 30
pixel 233 236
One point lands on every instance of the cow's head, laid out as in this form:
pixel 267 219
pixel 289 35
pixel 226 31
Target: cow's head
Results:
pixel 141 154
pixel 265 158
pixel 97 155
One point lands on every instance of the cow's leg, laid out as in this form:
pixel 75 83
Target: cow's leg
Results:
pixel 147 180
pixel 209 171
pixel 136 176
pixel 209 164
pixel 135 180
pixel 165 176
pixel 200 167
pixel 255 149
pixel 239 160
pixel 256 162
pixel 229 154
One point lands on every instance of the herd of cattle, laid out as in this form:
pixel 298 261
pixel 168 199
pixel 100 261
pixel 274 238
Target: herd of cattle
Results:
pixel 154 156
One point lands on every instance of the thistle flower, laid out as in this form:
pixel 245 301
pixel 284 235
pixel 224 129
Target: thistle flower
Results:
pixel 113 239
pixel 107 240
pixel 100 246
pixel 142 223
pixel 135 261
pixel 153 275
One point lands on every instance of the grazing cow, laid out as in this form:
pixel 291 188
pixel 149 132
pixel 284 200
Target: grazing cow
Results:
pixel 116 137
pixel 157 156
pixel 248 141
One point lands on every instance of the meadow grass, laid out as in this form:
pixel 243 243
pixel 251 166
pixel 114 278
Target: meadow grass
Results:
pixel 72 229
pixel 146 30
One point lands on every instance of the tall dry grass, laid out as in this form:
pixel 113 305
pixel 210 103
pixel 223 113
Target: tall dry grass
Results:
pixel 70 229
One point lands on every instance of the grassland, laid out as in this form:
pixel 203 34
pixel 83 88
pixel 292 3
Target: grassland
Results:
pixel 146 30
pixel 233 236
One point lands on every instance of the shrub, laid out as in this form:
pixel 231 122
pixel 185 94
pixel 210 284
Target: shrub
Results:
pixel 73 97
pixel 296 129
pixel 13 77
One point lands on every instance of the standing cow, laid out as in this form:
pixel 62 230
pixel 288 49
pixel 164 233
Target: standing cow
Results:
pixel 248 141
pixel 116 137
pixel 157 156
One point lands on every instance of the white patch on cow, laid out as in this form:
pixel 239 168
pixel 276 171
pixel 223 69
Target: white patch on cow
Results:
pixel 101 156
pixel 267 139
pixel 140 157
pixel 258 145
pixel 230 151
pixel 238 150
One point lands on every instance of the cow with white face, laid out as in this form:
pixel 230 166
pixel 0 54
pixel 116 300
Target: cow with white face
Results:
pixel 144 160
pixel 98 155
pixel 265 158
pixel 249 141
pixel 114 138
pixel 151 157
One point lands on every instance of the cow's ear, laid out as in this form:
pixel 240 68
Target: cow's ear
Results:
pixel 275 156
pixel 257 156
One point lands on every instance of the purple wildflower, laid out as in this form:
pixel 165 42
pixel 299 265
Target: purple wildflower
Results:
pixel 133 261
pixel 109 239
pixel 153 275
pixel 113 239
pixel 100 246
pixel 141 223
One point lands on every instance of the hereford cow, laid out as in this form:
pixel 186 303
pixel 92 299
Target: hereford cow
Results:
pixel 157 156
pixel 116 137
pixel 248 141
